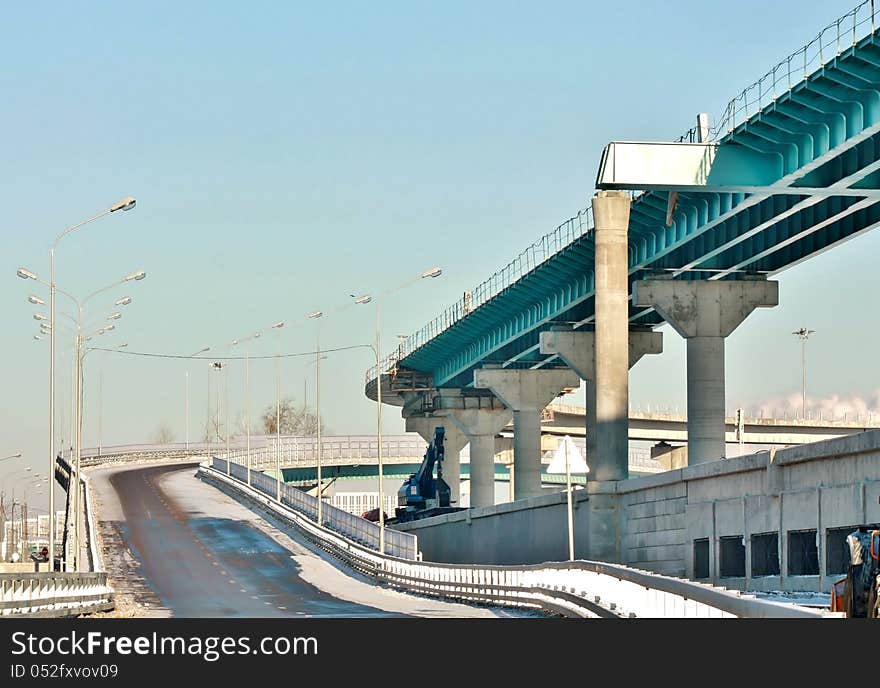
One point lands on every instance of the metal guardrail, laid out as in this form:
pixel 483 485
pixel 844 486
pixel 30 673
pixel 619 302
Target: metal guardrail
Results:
pixel 360 530
pixel 540 251
pixel 580 588
pixel 54 594
pixel 338 450
pixel 58 593
pixel 843 33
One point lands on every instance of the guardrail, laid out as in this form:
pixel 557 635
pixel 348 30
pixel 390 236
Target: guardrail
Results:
pixel 360 530
pixel 830 41
pixel 580 588
pixel 61 593
pixel 540 251
pixel 54 594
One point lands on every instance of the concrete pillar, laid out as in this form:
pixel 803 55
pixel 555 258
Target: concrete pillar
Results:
pixel 454 441
pixel 526 393
pixel 611 222
pixel 704 313
pixel 479 426
pixel 577 349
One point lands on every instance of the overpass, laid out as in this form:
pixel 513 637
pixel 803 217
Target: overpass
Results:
pixel 688 233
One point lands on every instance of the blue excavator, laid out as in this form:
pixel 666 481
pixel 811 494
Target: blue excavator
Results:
pixel 422 495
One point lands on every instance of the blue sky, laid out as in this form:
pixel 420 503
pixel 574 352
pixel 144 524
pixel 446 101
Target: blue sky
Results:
pixel 285 155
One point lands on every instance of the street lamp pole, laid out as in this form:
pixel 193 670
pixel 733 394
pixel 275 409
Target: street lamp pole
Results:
pixel 186 375
pixel 277 327
pixel 803 334
pixel 432 272
pixel 125 204
pixel 247 397
pixel 317 315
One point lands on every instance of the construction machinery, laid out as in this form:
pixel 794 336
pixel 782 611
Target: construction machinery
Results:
pixel 422 495
pixel 858 594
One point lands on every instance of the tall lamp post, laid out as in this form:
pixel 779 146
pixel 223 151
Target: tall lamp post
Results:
pixel 277 327
pixel 50 329
pixel 803 334
pixel 125 204
pixel 247 397
pixel 186 384
pixel 432 272
pixel 317 315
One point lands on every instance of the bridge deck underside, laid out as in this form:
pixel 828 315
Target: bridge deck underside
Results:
pixel 826 131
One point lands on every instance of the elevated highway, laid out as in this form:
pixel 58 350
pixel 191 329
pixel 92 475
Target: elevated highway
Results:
pixel 686 232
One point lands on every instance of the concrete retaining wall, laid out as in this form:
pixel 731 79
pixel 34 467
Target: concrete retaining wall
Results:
pixel 818 487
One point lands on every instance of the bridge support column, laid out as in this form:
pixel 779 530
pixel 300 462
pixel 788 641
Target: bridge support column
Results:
pixel 526 393
pixel 479 426
pixel 454 441
pixel 611 221
pixel 577 349
pixel 704 313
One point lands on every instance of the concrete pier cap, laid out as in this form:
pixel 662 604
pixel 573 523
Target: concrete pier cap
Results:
pixel 526 393
pixel 578 350
pixel 704 312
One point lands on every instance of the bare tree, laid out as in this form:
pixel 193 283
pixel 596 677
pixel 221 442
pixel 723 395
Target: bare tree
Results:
pixel 163 435
pixel 295 420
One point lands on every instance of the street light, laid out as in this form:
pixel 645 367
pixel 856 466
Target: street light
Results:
pixel 317 315
pixel 247 397
pixel 138 276
pixel 186 384
pixel 803 334
pixel 11 456
pixel 277 327
pixel 36 300
pixel 124 301
pixel 430 273
pixel 126 203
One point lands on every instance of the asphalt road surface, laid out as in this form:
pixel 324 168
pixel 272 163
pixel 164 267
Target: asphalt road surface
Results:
pixel 176 544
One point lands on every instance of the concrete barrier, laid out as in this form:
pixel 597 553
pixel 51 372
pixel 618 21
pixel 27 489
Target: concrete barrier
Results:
pixel 584 589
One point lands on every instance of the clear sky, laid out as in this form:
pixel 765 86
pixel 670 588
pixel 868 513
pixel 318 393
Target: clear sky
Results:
pixel 285 155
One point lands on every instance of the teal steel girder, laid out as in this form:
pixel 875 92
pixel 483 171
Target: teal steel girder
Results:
pixel 826 131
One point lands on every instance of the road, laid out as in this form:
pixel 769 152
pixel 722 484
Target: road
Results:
pixel 176 546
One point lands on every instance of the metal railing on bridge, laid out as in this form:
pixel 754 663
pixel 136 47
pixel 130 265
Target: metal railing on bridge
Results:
pixel 830 42
pixel 543 249
pixel 348 450
pixel 578 588
pixel 360 530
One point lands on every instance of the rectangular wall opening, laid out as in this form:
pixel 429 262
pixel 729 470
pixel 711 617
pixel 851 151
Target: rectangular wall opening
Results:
pixel 733 557
pixel 836 550
pixel 803 555
pixel 765 554
pixel 701 558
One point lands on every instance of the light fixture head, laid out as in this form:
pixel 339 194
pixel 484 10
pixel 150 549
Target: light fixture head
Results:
pixel 126 203
pixel 278 325
pixel 315 314
pixel 40 316
pixel 114 316
pixel 36 300
pixel 124 301
pixel 24 273
pixel 139 275
pixel 433 272
pixel 38 337
pixel 366 298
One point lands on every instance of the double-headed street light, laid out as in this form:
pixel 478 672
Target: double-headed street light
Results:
pixel 317 315
pixel 803 334
pixel 124 204
pixel 247 397
pixel 186 387
pixel 430 273
pixel 277 327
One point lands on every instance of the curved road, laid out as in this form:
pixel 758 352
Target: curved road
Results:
pixel 172 542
